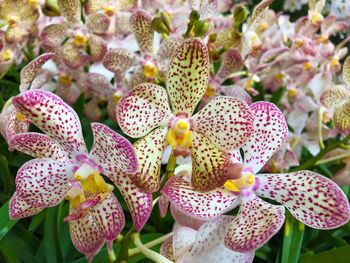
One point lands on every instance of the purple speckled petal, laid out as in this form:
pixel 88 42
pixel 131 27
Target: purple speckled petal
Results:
pixel 109 215
pixel 255 223
pixel 43 182
pixel 141 24
pixel 139 202
pixel 112 151
pixel 70 9
pixel 97 23
pixel 227 122
pixel 183 239
pixel 187 76
pixel 167 249
pixel 38 145
pixel 203 205
pixel 269 134
pixel 30 71
pixel 98 48
pixel 53 35
pixel 346 70
pixel 10 125
pixel 20 209
pixel 143 109
pixel 185 219
pixel 209 245
pixel 231 62
pixel 163 204
pixel 53 116
pixel 311 198
pixel 86 235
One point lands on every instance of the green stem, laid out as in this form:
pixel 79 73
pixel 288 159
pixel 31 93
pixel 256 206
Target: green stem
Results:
pixel 124 246
pixel 311 162
pixel 320 128
pixel 335 158
pixel 170 168
pixel 150 244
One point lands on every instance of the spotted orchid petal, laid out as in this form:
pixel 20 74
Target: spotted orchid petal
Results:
pixel 138 77
pixel 143 109
pixel 97 23
pixel 346 71
pixel 119 61
pixel 341 117
pixel 332 97
pixel 38 145
pixel 167 48
pixel 311 198
pixel 227 122
pixel 163 205
pixel 109 215
pixel 112 151
pixel 255 223
pixel 149 151
pixel 209 245
pixel 43 182
pixel 98 48
pixel 138 201
pixel 185 219
pixel 53 116
pixel 167 249
pixel 203 205
pixel 20 209
pixel 141 24
pixel 30 71
pixel 71 56
pixel 98 85
pixel 86 236
pixel 231 62
pixel 39 81
pixel 70 9
pixel 187 76
pixel 210 166
pixel 270 132
pixel 53 35
pixel 183 239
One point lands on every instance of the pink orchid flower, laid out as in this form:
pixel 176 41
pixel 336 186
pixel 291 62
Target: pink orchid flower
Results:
pixel 225 123
pixel 65 169
pixel 311 198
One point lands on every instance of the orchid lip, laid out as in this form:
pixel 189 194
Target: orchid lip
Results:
pixel 247 180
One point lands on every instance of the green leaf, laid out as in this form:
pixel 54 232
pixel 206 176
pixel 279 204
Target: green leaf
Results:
pixel 278 95
pixel 9 184
pixel 50 237
pixel 338 255
pixel 5 223
pixel 37 220
pixel 293 239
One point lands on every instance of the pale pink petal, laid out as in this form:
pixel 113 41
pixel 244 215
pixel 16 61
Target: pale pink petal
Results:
pixel 43 182
pixel 98 48
pixel 141 24
pixel 163 205
pixel 97 23
pixel 227 122
pixel 112 151
pixel 311 198
pixel 20 209
pixel 211 167
pixel 54 34
pixel 30 71
pixel 185 219
pixel 270 133
pixel 70 9
pixel 71 55
pixel 139 202
pixel 109 215
pixel 255 223
pixel 142 109
pixel 183 239
pixel 203 205
pixel 53 116
pixel 167 250
pixel 209 245
pixel 149 151
pixel 38 145
pixel 10 124
pixel 86 235
pixel 187 76
pixel 231 62
pixel 118 61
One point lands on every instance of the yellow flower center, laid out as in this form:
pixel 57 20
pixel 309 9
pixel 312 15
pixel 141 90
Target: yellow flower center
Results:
pixel 21 117
pixel 180 135
pixel 80 40
pixel 65 79
pixel 109 11
pixel 322 39
pixel 275 167
pixel 247 179
pixel 316 18
pixel 12 21
pixel 33 3
pixel 335 62
pixel 307 65
pixel 263 26
pixel 6 55
pixel 299 43
pixel 280 76
pixel 292 92
pixel 325 117
pixel 150 70
pixel 211 90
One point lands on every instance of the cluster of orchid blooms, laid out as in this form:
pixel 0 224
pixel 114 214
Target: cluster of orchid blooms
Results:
pixel 179 76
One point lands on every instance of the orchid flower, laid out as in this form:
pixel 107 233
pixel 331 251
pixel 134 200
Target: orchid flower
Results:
pixel 189 245
pixel 65 170
pixel 313 199
pixel 338 98
pixel 9 54
pixel 18 17
pixel 223 124
pixel 81 36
